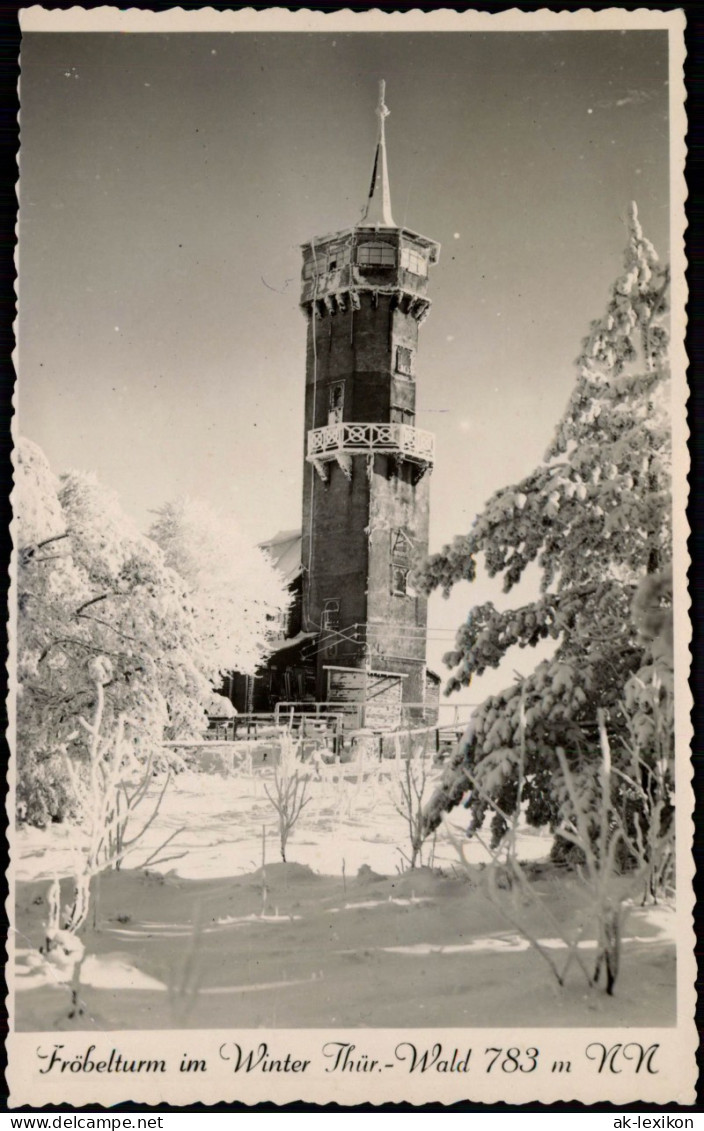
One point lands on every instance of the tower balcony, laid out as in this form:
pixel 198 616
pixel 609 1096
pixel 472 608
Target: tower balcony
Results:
pixel 343 440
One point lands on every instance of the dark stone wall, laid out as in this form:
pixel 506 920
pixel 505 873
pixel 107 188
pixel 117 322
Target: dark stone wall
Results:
pixel 396 502
pixel 335 557
pixel 334 353
pixel 354 347
pixel 349 558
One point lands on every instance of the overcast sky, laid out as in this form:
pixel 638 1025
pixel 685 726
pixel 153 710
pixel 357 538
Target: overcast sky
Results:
pixel 167 182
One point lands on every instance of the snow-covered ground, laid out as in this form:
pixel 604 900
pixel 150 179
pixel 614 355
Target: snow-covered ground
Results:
pixel 344 933
pixel 349 821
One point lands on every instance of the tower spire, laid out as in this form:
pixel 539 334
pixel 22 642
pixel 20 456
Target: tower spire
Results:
pixel 377 209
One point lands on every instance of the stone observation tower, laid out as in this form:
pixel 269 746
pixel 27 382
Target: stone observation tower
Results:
pixel 366 481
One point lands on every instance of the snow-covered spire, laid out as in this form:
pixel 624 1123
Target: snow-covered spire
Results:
pixel 378 207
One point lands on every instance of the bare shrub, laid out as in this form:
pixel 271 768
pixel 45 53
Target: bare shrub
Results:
pixel 589 823
pixel 289 794
pixel 598 819
pixel 408 793
pixel 632 823
pixel 108 798
pixel 644 781
pixel 506 884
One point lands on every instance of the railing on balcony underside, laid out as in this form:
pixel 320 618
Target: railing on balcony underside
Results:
pixel 351 438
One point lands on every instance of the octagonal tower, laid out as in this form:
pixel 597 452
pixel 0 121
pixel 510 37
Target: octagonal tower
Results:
pixel 366 482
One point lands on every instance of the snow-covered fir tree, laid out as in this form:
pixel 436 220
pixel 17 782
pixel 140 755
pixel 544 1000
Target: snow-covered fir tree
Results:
pixel 595 518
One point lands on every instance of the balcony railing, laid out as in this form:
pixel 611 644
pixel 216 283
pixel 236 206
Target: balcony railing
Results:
pixel 348 439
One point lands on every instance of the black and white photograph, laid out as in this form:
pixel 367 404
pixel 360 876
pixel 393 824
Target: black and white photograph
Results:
pixel 349 620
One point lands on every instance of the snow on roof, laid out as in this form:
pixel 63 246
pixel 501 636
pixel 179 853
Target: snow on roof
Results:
pixel 282 644
pixel 283 536
pixel 284 549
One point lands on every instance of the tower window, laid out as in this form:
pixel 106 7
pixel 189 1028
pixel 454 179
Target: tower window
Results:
pixel 376 255
pixel 338 258
pixel 399 580
pixel 326 260
pixel 401 546
pixel 336 399
pixel 404 361
pixel 413 261
pixel 401 555
pixel 331 614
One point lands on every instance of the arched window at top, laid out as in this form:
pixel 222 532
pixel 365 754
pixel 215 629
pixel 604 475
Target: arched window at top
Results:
pixel 376 255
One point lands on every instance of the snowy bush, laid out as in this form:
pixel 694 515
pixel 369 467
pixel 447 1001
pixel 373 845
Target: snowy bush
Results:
pixel 44 793
pixel 93 591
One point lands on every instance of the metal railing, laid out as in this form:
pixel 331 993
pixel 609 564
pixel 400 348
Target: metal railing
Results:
pixel 248 724
pixel 313 718
pixel 445 716
pixel 352 438
pixel 316 723
pixel 291 713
